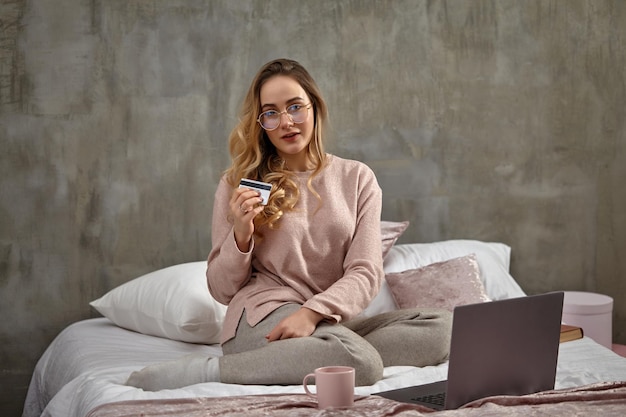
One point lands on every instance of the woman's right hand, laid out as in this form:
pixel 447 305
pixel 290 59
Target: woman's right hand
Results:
pixel 244 206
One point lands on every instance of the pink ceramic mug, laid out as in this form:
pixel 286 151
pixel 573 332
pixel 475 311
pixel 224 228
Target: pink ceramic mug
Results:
pixel 334 386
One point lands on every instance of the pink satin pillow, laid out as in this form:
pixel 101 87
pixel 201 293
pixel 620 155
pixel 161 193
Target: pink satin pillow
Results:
pixel 444 284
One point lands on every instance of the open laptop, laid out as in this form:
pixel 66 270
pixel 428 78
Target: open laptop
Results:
pixel 506 347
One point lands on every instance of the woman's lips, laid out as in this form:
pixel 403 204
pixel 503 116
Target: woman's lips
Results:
pixel 290 136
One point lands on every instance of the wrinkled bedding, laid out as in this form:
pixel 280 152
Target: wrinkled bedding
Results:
pixel 84 369
pixel 604 399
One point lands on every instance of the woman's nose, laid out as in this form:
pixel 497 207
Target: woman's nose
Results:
pixel 286 116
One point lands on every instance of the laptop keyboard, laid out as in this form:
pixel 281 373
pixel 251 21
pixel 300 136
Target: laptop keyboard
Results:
pixel 435 399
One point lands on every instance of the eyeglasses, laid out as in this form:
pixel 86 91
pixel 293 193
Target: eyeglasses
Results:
pixel 270 120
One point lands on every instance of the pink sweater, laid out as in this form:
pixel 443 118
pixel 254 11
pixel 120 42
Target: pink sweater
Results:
pixel 329 261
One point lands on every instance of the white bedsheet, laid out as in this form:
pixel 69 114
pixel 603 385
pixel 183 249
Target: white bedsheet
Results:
pixel 87 364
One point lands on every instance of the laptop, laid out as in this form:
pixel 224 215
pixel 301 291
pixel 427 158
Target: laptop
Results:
pixel 505 347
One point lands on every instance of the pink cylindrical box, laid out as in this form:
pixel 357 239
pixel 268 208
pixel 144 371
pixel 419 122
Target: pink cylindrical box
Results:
pixel 593 312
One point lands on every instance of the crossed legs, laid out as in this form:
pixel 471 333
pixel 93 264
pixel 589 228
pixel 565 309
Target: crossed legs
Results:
pixel 404 337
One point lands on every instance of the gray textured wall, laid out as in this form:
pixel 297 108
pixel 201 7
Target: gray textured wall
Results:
pixel 493 120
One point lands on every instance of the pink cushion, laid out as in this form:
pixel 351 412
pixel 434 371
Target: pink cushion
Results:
pixel 390 232
pixel 444 284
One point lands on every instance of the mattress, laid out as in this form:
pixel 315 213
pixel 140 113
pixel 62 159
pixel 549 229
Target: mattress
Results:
pixel 87 364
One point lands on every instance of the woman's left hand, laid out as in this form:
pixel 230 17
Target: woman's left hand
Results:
pixel 302 323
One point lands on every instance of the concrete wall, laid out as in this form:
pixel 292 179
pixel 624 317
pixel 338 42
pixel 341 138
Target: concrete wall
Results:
pixel 493 120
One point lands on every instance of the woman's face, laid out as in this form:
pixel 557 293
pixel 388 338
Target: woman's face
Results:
pixel 290 139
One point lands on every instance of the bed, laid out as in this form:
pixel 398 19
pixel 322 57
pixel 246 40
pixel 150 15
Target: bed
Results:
pixel 168 313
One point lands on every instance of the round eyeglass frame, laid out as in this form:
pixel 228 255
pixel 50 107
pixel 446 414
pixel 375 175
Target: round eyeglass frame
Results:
pixel 280 115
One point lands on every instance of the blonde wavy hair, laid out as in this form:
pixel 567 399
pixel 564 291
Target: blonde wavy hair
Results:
pixel 255 157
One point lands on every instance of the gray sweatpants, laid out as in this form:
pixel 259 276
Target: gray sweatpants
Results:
pixel 416 337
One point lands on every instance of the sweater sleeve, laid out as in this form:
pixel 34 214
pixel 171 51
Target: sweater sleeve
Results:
pixel 363 264
pixel 228 269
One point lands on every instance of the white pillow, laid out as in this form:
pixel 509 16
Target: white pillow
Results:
pixel 493 259
pixel 172 303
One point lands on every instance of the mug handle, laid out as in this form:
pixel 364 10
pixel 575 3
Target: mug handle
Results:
pixel 306 388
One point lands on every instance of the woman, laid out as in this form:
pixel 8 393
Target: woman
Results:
pixel 297 272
